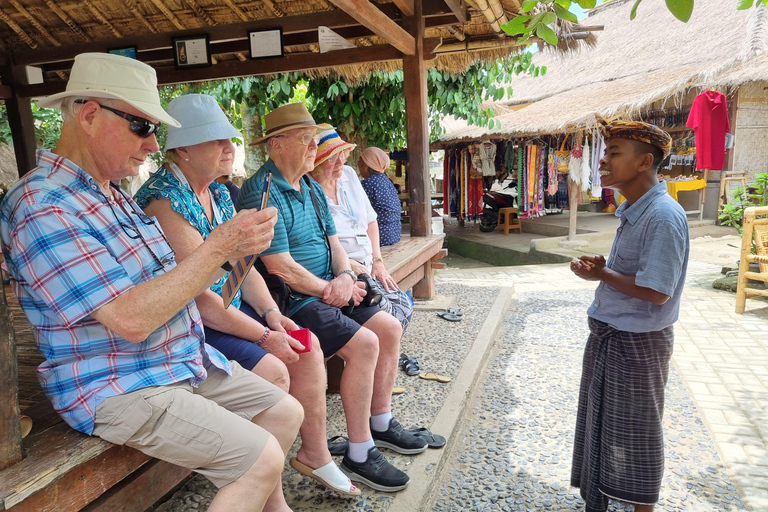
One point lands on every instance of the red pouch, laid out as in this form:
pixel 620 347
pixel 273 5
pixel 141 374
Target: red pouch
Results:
pixel 304 337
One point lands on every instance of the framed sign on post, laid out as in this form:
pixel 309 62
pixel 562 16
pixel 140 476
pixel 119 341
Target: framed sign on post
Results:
pixel 191 51
pixel 266 43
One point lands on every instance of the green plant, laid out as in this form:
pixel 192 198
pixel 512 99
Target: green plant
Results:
pixel 754 194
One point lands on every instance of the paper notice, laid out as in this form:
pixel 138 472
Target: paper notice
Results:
pixel 330 40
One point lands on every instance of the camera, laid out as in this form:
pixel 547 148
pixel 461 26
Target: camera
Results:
pixel 372 294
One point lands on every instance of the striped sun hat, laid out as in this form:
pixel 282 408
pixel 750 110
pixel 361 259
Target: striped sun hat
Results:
pixel 330 144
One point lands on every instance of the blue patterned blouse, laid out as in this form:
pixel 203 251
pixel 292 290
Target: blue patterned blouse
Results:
pixel 164 185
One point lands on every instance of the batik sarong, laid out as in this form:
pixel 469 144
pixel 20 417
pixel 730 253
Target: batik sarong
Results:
pixel 397 303
pixel 619 446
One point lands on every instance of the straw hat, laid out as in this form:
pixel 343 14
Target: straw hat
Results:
pixel 202 120
pixel 104 75
pixel 287 117
pixel 330 144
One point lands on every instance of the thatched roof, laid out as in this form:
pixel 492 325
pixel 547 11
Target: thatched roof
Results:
pixel 634 63
pixel 41 24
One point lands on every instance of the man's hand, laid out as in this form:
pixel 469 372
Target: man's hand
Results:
pixel 280 323
pixel 589 268
pixel 378 271
pixel 339 290
pixel 249 232
pixel 282 346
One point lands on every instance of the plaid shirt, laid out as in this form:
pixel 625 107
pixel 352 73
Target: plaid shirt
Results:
pixel 70 251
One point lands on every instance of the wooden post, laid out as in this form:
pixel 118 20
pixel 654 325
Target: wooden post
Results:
pixel 21 122
pixel 573 206
pixel 10 431
pixel 746 250
pixel 415 85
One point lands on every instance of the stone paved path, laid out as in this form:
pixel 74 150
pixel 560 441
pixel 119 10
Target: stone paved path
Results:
pixel 717 414
pixel 513 449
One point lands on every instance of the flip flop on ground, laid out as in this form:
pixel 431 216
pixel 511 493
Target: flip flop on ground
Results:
pixel 433 440
pixel 434 376
pixel 329 475
pixel 338 445
pixel 451 317
pixel 410 365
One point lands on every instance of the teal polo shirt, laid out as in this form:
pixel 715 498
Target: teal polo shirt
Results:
pixel 298 230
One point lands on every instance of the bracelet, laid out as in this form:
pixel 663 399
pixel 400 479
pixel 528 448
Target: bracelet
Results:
pixel 379 259
pixel 264 336
pixel 227 266
pixel 351 273
pixel 264 316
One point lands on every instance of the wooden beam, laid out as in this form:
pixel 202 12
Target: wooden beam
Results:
pixel 405 6
pixel 381 25
pixel 230 69
pixel 67 20
pixel 20 120
pixel 5 92
pixel 99 16
pixel 10 431
pixel 334 19
pixel 417 128
pixel 34 23
pixel 459 8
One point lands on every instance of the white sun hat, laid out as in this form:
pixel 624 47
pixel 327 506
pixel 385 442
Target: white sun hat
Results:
pixel 104 75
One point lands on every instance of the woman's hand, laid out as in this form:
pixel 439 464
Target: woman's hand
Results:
pixel 280 323
pixel 357 267
pixel 282 346
pixel 379 272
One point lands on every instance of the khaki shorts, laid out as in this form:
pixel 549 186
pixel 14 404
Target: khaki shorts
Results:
pixel 206 429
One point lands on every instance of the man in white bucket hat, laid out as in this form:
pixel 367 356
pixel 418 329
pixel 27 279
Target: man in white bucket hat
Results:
pixel 126 358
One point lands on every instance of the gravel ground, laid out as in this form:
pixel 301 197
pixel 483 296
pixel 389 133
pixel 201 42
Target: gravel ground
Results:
pixel 515 451
pixel 439 346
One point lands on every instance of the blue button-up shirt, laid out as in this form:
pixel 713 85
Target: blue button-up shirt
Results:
pixel 652 244
pixel 70 251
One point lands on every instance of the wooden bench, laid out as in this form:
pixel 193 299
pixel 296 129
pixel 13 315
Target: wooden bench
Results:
pixel 62 470
pixel 410 263
pixel 755 229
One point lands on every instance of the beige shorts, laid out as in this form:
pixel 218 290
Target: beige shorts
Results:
pixel 206 429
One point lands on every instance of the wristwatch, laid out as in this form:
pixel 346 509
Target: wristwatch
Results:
pixel 354 276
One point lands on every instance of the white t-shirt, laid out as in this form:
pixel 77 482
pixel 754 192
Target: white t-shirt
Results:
pixel 352 216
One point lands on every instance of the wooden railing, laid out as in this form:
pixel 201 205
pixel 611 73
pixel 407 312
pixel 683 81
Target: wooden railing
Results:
pixel 754 229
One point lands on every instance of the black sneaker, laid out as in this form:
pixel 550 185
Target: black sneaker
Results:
pixel 398 439
pixel 376 472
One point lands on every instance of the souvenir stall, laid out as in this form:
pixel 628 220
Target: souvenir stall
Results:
pixel 537 167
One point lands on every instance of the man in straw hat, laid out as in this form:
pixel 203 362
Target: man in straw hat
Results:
pixel 307 254
pixel 619 446
pixel 113 313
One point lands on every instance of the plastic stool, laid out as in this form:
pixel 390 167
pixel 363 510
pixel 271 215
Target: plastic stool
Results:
pixel 508 220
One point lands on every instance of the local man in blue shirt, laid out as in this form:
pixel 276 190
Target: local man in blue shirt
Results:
pixel 619 444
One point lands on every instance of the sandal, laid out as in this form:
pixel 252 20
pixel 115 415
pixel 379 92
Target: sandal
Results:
pixel 433 440
pixel 338 445
pixel 410 365
pixel 329 475
pixel 435 376
pixel 451 317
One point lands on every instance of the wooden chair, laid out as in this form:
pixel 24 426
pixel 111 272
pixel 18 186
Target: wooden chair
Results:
pixel 726 177
pixel 508 220
pixel 757 229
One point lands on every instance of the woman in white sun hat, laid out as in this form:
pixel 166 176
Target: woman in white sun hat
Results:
pixel 189 203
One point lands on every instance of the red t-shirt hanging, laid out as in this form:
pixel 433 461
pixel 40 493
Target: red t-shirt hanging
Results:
pixel 709 121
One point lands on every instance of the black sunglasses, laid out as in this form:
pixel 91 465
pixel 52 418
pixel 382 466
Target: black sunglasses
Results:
pixel 139 126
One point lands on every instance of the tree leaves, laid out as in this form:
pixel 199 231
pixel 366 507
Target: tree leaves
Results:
pixel 633 13
pixel 681 9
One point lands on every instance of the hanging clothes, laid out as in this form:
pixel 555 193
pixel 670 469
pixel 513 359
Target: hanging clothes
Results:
pixel 598 150
pixel 709 121
pixel 487 152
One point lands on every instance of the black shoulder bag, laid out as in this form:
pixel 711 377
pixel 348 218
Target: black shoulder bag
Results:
pixel 278 288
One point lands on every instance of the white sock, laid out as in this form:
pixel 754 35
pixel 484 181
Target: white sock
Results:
pixel 380 422
pixel 358 452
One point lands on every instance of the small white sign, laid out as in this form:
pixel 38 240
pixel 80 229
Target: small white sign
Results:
pixel 266 43
pixel 330 40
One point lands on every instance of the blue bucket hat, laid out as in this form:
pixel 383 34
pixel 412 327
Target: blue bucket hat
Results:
pixel 202 120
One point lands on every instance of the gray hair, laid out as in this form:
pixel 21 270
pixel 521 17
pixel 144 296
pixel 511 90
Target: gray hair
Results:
pixel 71 105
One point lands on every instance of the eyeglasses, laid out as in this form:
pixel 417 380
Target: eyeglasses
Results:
pixel 305 139
pixel 338 156
pixel 139 126
pixel 132 231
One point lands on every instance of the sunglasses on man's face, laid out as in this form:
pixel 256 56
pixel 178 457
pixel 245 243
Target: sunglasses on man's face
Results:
pixel 138 125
